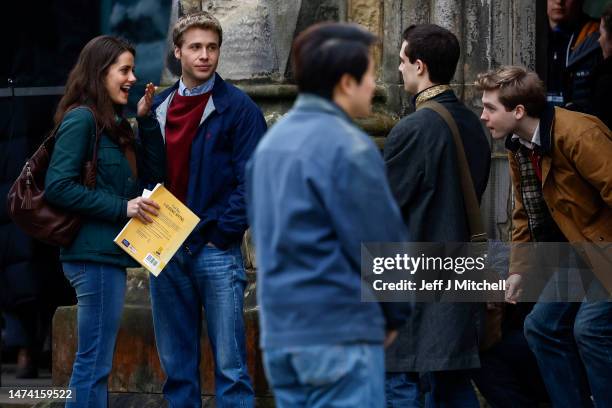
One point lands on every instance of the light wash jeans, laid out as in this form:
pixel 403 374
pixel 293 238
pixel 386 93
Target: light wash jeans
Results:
pixel 330 376
pixel 100 291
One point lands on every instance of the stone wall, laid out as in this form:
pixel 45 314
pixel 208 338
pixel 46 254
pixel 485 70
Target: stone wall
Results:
pixel 491 33
pixel 258 36
pixel 256 56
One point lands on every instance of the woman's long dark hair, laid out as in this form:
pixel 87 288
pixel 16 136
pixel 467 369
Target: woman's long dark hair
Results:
pixel 86 86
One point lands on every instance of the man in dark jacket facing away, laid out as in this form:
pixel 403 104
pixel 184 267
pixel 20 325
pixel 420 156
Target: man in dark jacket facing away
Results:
pixel 317 189
pixel 210 128
pixel 440 338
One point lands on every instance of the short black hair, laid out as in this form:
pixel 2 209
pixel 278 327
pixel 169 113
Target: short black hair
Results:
pixel 437 47
pixel 324 52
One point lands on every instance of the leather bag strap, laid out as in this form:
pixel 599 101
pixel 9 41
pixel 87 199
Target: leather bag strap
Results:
pixel 97 138
pixel 477 231
pixel 53 133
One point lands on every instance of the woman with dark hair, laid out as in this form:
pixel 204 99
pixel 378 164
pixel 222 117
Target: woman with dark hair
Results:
pixel 96 91
pixel 602 75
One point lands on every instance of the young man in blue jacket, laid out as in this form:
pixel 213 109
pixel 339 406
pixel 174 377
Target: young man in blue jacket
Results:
pixel 210 128
pixel 317 189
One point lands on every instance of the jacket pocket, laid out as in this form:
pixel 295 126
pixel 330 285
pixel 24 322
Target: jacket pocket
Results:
pixel 323 365
pixel 110 173
pixel 599 231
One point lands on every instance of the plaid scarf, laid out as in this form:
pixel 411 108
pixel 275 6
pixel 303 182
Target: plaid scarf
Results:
pixel 541 224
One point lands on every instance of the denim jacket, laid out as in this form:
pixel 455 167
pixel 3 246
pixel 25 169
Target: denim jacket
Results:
pixel 317 190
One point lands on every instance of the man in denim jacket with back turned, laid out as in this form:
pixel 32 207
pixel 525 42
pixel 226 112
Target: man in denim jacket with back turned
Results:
pixel 211 128
pixel 317 189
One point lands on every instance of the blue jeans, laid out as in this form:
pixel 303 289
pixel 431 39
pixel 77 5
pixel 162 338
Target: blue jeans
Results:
pixel 100 291
pixel 403 390
pixel 509 376
pixel 331 376
pixel 572 343
pixel 215 279
pixel 446 389
pixel 451 389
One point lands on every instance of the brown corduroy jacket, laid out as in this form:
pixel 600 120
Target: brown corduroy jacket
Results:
pixel 576 185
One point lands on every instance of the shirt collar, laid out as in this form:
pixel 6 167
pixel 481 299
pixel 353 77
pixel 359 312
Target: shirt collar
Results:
pixel 308 101
pixel 535 139
pixel 198 90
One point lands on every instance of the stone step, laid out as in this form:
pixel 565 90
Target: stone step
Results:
pixel 136 366
pixel 10 381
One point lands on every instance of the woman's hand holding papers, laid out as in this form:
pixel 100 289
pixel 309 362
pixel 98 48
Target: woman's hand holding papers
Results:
pixel 142 208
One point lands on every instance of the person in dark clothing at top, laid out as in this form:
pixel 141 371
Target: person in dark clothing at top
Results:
pixel 573 53
pixel 601 88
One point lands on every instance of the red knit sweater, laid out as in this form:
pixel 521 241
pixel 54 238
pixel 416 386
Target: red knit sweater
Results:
pixel 182 123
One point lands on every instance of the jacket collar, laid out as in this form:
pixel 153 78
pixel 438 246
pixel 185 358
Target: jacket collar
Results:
pixel 218 101
pixel 312 102
pixel 586 47
pixel 547 121
pixel 429 93
pixel 447 95
pixel 207 86
pixel 220 94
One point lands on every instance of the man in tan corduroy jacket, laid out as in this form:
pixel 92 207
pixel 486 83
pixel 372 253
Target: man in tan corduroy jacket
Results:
pixel 561 169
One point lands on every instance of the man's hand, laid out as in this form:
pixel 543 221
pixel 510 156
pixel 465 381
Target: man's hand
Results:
pixel 141 207
pixel 513 288
pixel 144 104
pixel 390 337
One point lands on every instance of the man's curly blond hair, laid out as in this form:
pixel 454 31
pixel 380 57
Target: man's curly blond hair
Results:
pixel 200 19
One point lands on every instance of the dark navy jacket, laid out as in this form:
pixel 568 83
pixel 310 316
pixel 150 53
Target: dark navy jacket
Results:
pixel 573 54
pixel 229 130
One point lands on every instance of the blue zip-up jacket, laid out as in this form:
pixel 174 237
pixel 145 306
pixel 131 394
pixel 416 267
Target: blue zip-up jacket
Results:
pixel 317 189
pixel 229 130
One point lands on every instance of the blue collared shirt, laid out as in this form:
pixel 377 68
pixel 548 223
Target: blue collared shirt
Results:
pixel 198 90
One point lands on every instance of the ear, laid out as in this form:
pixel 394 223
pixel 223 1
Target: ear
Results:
pixel 346 84
pixel 421 67
pixel 519 112
pixel 177 52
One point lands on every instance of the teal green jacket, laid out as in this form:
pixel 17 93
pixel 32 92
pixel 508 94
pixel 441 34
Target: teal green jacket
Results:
pixel 104 208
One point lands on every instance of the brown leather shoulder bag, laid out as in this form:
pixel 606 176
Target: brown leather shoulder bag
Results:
pixel 27 206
